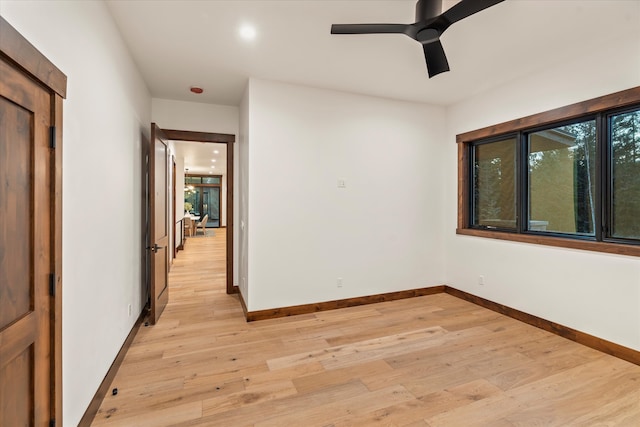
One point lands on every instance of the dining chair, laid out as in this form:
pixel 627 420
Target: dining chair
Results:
pixel 187 226
pixel 202 224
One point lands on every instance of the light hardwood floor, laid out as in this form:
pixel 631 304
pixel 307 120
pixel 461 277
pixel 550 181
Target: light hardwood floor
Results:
pixel 428 361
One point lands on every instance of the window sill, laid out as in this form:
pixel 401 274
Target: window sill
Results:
pixel 586 245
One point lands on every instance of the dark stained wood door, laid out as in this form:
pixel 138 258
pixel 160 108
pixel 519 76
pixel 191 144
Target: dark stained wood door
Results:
pixel 26 169
pixel 159 221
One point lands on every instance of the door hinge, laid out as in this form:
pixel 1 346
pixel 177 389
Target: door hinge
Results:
pixel 52 422
pixel 52 285
pixel 52 137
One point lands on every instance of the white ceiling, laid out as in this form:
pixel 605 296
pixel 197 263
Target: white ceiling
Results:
pixel 177 44
pixel 198 157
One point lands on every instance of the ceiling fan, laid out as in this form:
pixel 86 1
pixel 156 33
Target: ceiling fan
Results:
pixel 429 26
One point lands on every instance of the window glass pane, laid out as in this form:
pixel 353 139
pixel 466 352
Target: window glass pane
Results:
pixel 192 180
pixel 562 179
pixel 191 199
pixel 211 180
pixel 494 184
pixel 625 141
pixel 211 205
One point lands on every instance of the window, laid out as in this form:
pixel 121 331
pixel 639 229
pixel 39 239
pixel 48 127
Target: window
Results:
pixel 494 193
pixel 562 178
pixel 202 179
pixel 567 177
pixel 211 179
pixel 625 166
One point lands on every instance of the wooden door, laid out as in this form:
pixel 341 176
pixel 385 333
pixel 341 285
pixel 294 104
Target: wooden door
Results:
pixel 26 239
pixel 159 221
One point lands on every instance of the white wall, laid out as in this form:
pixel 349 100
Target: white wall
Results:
pixel 595 293
pixel 195 116
pixel 198 117
pixel 381 233
pixel 107 107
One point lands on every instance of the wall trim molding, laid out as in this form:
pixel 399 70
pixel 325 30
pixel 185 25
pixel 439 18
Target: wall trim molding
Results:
pixel 273 313
pixel 244 305
pixel 103 389
pixel 607 347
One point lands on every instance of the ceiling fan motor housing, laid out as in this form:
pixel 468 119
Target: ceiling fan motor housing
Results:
pixel 427 9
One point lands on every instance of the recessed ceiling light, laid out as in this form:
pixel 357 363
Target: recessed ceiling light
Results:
pixel 215 152
pixel 248 32
pixel 213 167
pixel 214 160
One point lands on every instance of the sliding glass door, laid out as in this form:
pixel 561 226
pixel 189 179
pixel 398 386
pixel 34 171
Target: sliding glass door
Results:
pixel 203 192
pixel 210 197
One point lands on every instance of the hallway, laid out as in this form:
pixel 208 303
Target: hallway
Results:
pixel 156 373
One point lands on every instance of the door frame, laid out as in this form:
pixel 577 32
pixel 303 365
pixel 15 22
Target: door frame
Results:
pixel 145 229
pixel 229 140
pixel 17 50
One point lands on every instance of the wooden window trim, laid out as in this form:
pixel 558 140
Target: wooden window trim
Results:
pixel 620 99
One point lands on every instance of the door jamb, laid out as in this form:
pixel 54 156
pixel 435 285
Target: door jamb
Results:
pixel 229 140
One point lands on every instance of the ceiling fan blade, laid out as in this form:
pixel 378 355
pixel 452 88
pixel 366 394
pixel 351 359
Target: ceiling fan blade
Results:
pixel 467 8
pixel 368 28
pixel 436 59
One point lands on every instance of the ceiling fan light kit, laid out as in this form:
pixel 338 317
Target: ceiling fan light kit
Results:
pixel 429 26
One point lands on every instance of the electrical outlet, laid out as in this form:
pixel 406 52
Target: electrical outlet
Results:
pixel 481 280
pixel 339 282
pixel 342 183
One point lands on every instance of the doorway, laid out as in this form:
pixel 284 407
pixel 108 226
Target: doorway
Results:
pixel 226 190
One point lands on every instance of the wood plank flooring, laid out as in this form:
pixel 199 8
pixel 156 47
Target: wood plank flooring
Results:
pixel 428 361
